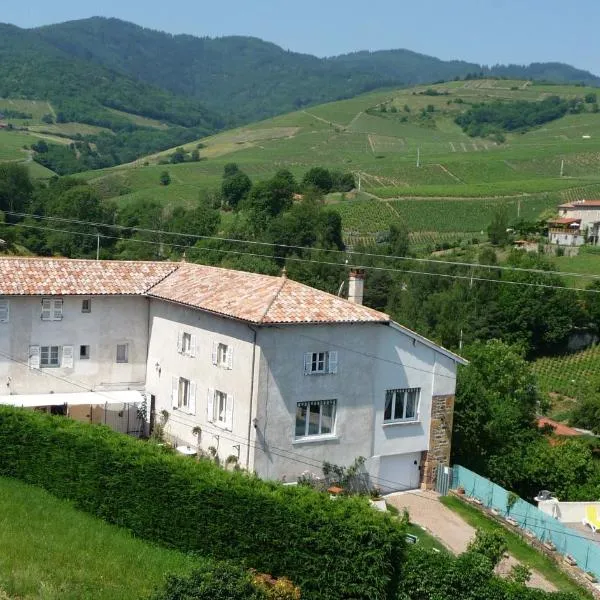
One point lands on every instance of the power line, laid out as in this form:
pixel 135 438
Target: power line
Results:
pixel 304 248
pixel 312 261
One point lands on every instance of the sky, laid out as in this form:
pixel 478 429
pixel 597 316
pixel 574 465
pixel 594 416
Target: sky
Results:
pixel 481 31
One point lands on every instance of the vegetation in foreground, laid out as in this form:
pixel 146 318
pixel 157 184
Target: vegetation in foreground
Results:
pixel 520 549
pixel 51 550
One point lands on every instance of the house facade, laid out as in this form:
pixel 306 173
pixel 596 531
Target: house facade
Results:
pixel 262 371
pixel 566 232
pixel 587 212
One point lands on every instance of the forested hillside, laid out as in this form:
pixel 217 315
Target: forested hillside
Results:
pixel 248 79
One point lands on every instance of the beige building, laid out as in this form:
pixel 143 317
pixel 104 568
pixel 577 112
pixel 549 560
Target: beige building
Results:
pixel 587 213
pixel 261 370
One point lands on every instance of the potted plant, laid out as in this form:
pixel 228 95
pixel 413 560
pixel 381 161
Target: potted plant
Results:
pixel 570 560
pixel 460 490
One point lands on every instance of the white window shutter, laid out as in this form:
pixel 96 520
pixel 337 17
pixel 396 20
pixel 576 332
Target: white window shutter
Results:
pixel 174 392
pixel 193 347
pixel 46 309
pixel 229 357
pixel 34 357
pixel 333 362
pixel 180 342
pixel 192 398
pixel 67 357
pixel 307 361
pixel 215 353
pixel 229 413
pixel 4 310
pixel 58 310
pixel 210 405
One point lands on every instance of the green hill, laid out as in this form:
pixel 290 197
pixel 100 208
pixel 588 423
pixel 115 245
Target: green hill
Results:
pixel 460 181
pixel 250 79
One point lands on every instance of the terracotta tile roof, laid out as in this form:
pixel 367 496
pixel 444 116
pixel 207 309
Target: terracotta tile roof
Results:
pixel 565 221
pixel 559 428
pixel 581 203
pixel 260 299
pixel 64 277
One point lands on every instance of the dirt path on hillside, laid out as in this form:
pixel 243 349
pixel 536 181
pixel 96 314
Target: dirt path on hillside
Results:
pixel 426 510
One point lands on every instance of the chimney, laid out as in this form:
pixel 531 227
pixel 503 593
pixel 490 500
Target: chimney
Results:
pixel 356 286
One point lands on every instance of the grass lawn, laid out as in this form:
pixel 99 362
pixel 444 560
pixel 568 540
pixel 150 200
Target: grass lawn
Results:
pixel 520 549
pixel 426 540
pixel 51 551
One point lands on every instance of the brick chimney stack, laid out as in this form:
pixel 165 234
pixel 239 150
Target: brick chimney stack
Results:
pixel 356 286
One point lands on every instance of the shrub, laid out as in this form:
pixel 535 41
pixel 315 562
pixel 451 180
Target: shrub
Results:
pixel 492 544
pixel 332 550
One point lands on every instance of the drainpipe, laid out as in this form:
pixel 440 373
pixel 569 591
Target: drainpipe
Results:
pixel 250 419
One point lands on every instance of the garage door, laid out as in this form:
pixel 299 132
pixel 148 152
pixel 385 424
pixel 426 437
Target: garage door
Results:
pixel 399 472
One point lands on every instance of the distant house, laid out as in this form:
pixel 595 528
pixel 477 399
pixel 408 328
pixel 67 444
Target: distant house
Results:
pixel 587 212
pixel 565 232
pixel 262 370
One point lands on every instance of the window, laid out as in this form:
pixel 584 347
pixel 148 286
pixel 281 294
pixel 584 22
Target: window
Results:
pixel 86 306
pixel 402 405
pixel 52 309
pixel 4 310
pixel 320 363
pixel 315 418
pixel 220 408
pixel 122 353
pixel 183 395
pixel 222 356
pixel 84 352
pixel 50 356
pixel 186 344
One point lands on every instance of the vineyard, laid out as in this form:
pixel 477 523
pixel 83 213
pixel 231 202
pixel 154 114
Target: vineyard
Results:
pixel 575 376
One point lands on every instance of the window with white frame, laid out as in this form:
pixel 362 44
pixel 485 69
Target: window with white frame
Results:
pixel 186 343
pixel 402 405
pixel 220 408
pixel 320 363
pixel 52 309
pixel 222 355
pixel 183 395
pixel 122 353
pixel 50 356
pixel 4 310
pixel 315 418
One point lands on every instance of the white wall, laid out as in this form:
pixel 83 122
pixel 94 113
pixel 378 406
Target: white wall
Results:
pixel 113 320
pixel 566 238
pixel 166 321
pixel 372 358
pixel 567 512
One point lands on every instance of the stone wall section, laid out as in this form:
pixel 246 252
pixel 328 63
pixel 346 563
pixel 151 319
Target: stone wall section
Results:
pixel 440 439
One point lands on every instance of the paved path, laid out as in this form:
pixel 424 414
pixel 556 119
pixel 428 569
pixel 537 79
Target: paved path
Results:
pixel 450 529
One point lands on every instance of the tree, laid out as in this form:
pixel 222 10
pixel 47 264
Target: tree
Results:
pixel 178 156
pixel 492 544
pixel 496 404
pixel 497 230
pixel 319 178
pixel 195 155
pixel 591 98
pixel 48 119
pixel 15 188
pixel 235 186
pixel 165 178
pixel 398 239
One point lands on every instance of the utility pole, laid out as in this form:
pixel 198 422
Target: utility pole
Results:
pixel 418 157
pixel 98 248
pixel 519 208
pixel 359 182
pixel 562 168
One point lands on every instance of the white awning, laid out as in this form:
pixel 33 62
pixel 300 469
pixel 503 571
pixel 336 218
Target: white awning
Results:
pixel 74 399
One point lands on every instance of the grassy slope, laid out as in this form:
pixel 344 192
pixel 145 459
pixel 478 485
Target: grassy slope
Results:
pixel 341 135
pixel 520 549
pixel 50 550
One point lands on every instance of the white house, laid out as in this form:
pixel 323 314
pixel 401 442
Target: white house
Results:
pixel 276 374
pixel 587 212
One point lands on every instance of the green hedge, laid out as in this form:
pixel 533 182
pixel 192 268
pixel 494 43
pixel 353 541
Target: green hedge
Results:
pixel 331 549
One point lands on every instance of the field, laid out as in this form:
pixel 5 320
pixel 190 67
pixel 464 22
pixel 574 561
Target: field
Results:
pixel 51 551
pixel 427 170
pixel 574 376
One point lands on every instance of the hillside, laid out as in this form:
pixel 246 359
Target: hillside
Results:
pixel 461 181
pixel 249 79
